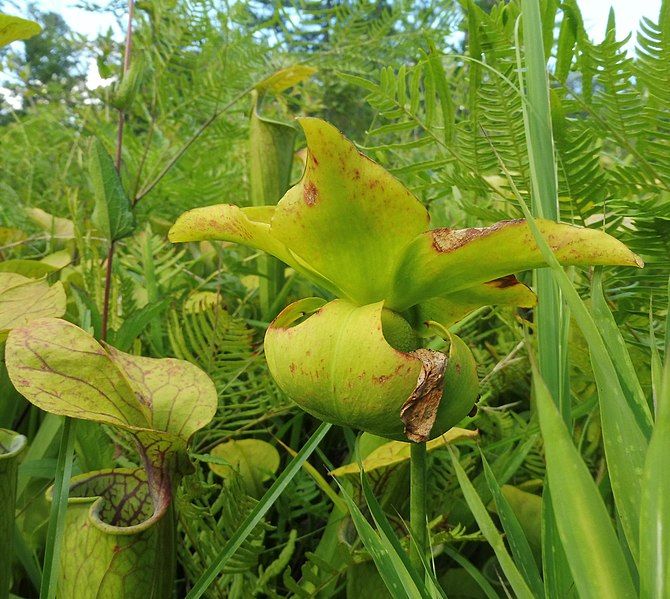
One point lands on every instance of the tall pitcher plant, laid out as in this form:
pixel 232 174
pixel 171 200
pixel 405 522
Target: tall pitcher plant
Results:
pixel 355 231
pixel 119 532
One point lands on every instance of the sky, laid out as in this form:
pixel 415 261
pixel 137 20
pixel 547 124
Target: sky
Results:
pixel 628 14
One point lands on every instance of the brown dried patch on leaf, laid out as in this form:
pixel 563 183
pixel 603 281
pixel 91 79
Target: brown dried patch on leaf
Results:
pixel 310 193
pixel 504 282
pixel 418 413
pixel 448 240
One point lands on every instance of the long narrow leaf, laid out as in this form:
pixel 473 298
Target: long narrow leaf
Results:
pixel 473 571
pixel 516 538
pixel 385 529
pixel 551 317
pixel 389 564
pixel 625 443
pixel 558 581
pixel 56 529
pixel 592 548
pixel 655 511
pixel 630 383
pixel 490 531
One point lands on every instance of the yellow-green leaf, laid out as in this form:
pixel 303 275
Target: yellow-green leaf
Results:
pixel 450 308
pixel 62 228
pixel 254 460
pixel 180 396
pixel 444 261
pixel 338 366
pixel 33 269
pixel 63 370
pixel 397 452
pixel 58 260
pixel 348 218
pixel 16 28
pixel 226 222
pixel 23 300
pixel 285 78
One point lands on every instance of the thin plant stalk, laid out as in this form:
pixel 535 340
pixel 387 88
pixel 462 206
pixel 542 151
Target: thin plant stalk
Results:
pixel 117 164
pixel 417 506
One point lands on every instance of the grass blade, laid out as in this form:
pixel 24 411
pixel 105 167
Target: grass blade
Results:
pixel 386 530
pixel 56 530
pixel 616 346
pixel 596 561
pixel 655 510
pixel 516 538
pixel 390 565
pixel 625 443
pixel 490 531
pixel 254 517
pixel 558 580
pixel 473 571
pixel 551 317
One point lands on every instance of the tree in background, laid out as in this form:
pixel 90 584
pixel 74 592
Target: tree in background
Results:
pixel 50 66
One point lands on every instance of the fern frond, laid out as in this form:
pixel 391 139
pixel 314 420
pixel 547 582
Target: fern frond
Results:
pixel 222 345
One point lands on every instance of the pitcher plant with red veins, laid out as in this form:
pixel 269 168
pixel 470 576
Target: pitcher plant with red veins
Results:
pixel 356 231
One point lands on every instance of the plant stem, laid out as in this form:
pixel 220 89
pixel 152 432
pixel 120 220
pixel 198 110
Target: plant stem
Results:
pixel 417 506
pixel 164 171
pixel 117 164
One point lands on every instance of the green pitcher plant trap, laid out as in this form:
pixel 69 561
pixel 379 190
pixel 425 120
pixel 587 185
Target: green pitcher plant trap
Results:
pixel 358 233
pixel 119 527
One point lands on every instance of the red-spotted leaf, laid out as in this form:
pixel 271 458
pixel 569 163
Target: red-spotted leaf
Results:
pixel 23 300
pixel 444 261
pixel 338 365
pixel 63 370
pixel 348 218
pixel 452 307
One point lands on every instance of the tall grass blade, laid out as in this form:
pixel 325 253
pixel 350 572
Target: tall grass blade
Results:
pixel 597 563
pixel 46 435
pixel 56 528
pixel 490 531
pixel 558 581
pixel 516 539
pixel 391 566
pixel 616 346
pixel 386 531
pixel 255 516
pixel 655 510
pixel 473 571
pixel 625 443
pixel 551 318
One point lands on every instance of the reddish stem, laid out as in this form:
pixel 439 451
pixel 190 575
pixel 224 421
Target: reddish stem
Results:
pixel 117 164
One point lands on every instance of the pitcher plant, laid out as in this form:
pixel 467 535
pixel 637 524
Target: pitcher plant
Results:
pixel 358 233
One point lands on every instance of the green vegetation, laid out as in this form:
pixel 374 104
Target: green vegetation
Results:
pixel 261 328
